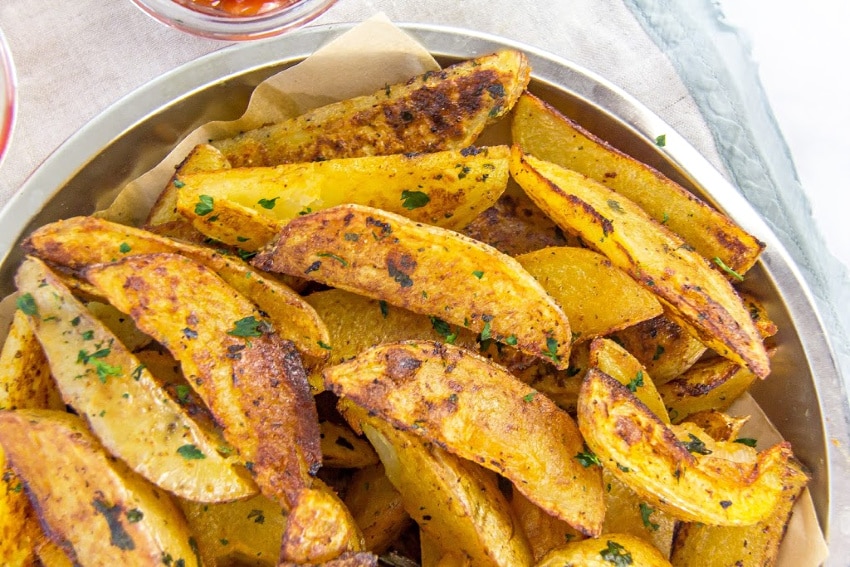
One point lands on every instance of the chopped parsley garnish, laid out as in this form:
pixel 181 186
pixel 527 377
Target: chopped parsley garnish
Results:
pixel 179 184
pixel 75 321
pixel 444 330
pixel 124 248
pixel 105 370
pixel 305 211
pixel 485 332
pixel 190 452
pixel 616 554
pixel 137 372
pixel 588 459
pixel 727 269
pixel 511 340
pixel 341 261
pixel 664 218
pixel 615 206
pixel 268 203
pixel 87 335
pixel 26 303
pixel 248 327
pixel 529 396
pixel 636 382
pixel 661 140
pixel 182 391
pixel 645 513
pixel 384 309
pixel 552 350
pixel 748 441
pixel 257 516
pixel 478 274
pixel 659 350
pixel 414 199
pixel 324 345
pixel 696 445
pixel 134 516
pixel 204 206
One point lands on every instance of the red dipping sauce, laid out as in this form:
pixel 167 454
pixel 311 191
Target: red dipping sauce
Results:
pixel 237 7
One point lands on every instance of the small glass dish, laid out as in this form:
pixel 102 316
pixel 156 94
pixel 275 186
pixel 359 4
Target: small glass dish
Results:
pixel 7 95
pixel 204 19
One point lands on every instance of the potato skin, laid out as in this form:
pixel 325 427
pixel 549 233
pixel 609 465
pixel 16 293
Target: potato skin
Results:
pixel 609 549
pixel 439 110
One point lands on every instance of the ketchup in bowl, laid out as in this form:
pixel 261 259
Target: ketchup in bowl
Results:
pixel 238 7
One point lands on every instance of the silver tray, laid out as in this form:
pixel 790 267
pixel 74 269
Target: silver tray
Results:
pixel 804 395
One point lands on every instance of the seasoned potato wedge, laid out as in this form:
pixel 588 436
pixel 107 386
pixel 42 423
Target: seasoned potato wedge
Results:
pixel 91 502
pixel 540 130
pixel 425 269
pixel 203 157
pixel 456 502
pixel 81 241
pixel 655 257
pixel 664 348
pixel 544 531
pixel 19 528
pixel 251 380
pixel 647 456
pixel 342 448
pixel 608 550
pixel 25 380
pixel 347 559
pixel 480 412
pixel 376 506
pixel 718 425
pixel 319 528
pixel 244 532
pixel 446 189
pixel 616 362
pixel 439 110
pixel 597 298
pixel 711 384
pixel 105 383
pixel 747 546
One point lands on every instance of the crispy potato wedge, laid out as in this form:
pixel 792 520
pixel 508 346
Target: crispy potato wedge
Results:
pixel 718 425
pixel 514 225
pixel 91 502
pixel 446 189
pixel 597 298
pixel 456 502
pixel 376 506
pixel 432 555
pixel 664 348
pixel 540 130
pixel 609 549
pixel 19 528
pixel 81 241
pixel 616 362
pixel 759 315
pixel 655 257
pixel 342 448
pixel 319 528
pixel 51 555
pixel 105 383
pixel 244 532
pixel 425 269
pixel 626 513
pixel 478 411
pixel 647 456
pixel 711 384
pixel 544 531
pixel 439 110
pixel 118 323
pixel 252 381
pixel 203 157
pixel 25 380
pixel 747 546
pixel 347 559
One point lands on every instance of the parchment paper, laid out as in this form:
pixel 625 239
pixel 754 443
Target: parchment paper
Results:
pixel 361 61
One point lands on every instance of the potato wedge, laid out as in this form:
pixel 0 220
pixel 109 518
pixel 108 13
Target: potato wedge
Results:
pixel 540 130
pixel 252 381
pixel 105 384
pixel 664 348
pixel 747 546
pixel 616 362
pixel 244 532
pixel 319 528
pixel 711 384
pixel 376 506
pixel 608 550
pixel 25 380
pixel 646 455
pixel 544 531
pixel 446 189
pixel 597 298
pixel 718 425
pixel 342 448
pixel 456 502
pixel 439 110
pixel 655 257
pixel 91 502
pixel 425 269
pixel 81 241
pixel 203 157
pixel 347 559
pixel 480 412
pixel 19 528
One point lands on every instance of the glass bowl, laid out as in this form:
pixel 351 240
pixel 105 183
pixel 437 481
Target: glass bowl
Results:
pixel 234 20
pixel 7 95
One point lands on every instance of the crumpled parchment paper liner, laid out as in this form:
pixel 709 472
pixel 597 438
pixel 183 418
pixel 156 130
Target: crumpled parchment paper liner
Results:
pixel 360 61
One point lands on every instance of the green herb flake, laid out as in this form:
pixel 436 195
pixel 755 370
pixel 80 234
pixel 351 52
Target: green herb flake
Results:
pixel 224 541
pixel 124 248
pixel 190 452
pixel 268 203
pixel 385 311
pixel 204 206
pixel 552 350
pixel 696 445
pixel 118 536
pixel 478 274
pixel 137 372
pixel 659 350
pixel 179 184
pixel 748 441
pixel 528 397
pixel 636 382
pixel 87 335
pixel 257 516
pixel 485 332
pixel 661 140
pixel 341 261
pixel 615 206
pixel 75 321
pixel 664 218
pixel 511 340
pixel 248 327
pixel 727 269
pixel 645 514
pixel 26 303
pixel 588 459
pixel 616 554
pixel 414 199
pixel 305 211
pixel 324 345
pixel 242 239
pixel 134 516
pixel 182 391
pixel 623 468
pixel 444 330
